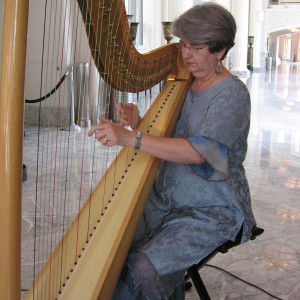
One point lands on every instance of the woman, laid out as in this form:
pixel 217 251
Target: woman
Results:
pixel 201 197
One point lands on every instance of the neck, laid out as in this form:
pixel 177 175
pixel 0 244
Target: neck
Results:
pixel 206 82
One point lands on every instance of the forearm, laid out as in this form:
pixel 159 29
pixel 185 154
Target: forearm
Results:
pixel 171 149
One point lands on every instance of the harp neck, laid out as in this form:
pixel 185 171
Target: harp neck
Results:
pixel 116 58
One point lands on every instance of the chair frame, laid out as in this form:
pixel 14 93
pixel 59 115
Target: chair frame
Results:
pixel 193 271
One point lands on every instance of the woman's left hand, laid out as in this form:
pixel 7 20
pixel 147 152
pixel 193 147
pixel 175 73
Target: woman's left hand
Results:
pixel 111 134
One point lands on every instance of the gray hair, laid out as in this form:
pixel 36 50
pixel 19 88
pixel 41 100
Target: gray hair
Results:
pixel 207 24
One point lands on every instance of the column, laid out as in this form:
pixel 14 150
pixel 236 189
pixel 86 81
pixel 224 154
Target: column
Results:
pixel 238 54
pixel 256 19
pixel 178 7
pixel 172 9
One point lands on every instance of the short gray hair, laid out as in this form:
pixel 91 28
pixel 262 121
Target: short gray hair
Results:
pixel 207 24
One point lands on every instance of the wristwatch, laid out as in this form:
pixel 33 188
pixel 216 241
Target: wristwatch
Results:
pixel 138 137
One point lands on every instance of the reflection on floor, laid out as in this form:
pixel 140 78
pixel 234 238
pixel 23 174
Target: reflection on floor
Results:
pixel 272 261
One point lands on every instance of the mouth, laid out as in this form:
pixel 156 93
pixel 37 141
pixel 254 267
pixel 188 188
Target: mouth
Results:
pixel 189 64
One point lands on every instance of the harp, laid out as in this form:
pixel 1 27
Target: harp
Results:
pixel 111 213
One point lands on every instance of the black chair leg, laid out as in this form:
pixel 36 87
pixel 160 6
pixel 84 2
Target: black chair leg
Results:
pixel 198 283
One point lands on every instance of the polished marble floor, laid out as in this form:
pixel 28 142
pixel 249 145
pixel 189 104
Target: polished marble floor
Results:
pixel 272 261
pixel 269 264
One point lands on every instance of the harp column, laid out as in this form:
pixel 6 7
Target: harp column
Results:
pixel 15 20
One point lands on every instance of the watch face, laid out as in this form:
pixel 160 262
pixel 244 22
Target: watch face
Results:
pixel 138 134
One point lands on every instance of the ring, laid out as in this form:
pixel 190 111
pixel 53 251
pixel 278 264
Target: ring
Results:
pixel 105 140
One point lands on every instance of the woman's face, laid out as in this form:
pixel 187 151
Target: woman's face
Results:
pixel 198 59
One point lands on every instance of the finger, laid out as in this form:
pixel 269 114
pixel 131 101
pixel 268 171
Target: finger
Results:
pixel 103 120
pixel 93 130
pixel 105 140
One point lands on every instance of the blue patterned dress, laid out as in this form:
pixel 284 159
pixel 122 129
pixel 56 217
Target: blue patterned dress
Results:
pixel 193 209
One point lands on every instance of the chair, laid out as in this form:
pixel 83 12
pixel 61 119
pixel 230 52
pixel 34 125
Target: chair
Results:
pixel 193 271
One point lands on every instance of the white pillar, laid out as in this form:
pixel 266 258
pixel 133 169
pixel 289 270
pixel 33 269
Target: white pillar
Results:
pixel 152 25
pixel 256 19
pixel 178 7
pixel 238 55
pixel 158 11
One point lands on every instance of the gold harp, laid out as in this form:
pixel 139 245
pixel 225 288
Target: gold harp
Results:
pixel 93 272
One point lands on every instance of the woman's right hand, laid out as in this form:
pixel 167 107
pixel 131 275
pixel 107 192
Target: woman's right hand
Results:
pixel 128 114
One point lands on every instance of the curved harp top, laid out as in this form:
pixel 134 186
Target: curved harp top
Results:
pixel 115 56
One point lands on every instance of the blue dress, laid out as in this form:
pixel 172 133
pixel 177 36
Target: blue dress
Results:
pixel 193 209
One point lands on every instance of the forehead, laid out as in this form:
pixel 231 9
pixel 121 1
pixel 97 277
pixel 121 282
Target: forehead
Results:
pixel 186 42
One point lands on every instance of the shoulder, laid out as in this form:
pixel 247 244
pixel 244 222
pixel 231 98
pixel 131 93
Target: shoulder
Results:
pixel 234 91
pixel 233 82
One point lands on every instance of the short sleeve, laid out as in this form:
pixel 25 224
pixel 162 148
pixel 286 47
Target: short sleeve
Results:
pixel 216 166
pixel 227 115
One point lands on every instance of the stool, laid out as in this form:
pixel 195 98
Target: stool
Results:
pixel 193 271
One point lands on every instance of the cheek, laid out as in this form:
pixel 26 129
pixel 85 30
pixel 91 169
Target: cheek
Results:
pixel 206 60
pixel 185 55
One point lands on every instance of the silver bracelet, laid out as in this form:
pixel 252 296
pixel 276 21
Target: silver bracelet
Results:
pixel 138 137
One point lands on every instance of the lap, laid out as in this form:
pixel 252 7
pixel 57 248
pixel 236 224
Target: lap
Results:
pixel 177 245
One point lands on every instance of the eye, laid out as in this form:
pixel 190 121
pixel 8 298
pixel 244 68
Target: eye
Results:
pixel 200 47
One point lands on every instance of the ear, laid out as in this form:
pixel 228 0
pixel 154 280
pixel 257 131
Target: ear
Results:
pixel 221 53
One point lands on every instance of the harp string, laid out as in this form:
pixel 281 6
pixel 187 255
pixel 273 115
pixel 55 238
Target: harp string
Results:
pixel 52 243
pixel 63 210
pixel 55 142
pixel 37 169
pixel 44 75
pixel 58 148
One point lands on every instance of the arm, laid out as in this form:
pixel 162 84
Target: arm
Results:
pixel 176 150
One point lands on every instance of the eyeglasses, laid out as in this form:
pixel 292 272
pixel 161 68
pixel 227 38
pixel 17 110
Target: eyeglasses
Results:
pixel 192 49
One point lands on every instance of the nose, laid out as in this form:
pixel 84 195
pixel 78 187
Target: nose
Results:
pixel 186 53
